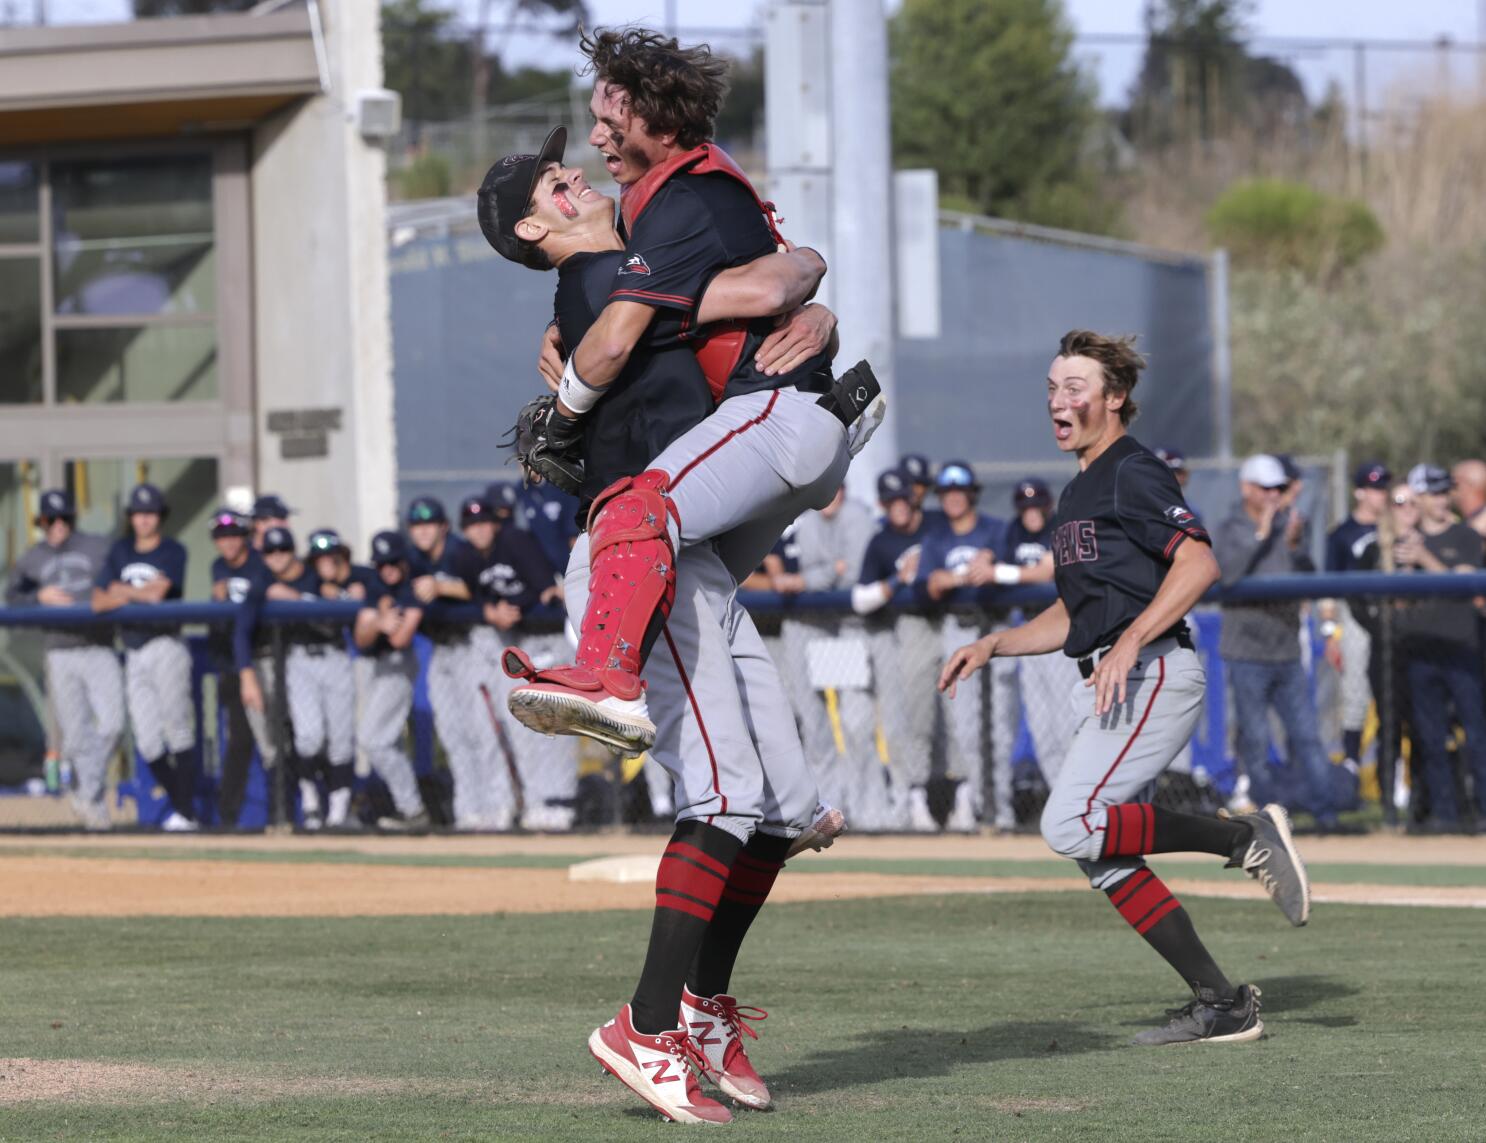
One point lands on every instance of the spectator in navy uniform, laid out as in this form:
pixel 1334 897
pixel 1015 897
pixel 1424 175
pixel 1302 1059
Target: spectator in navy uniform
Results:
pixel 547 513
pixel 961 550
pixel 920 474
pixel 269 511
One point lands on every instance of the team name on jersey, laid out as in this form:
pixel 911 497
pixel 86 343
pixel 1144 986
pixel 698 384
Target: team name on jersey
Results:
pixel 138 574
pixel 502 580
pixel 1075 543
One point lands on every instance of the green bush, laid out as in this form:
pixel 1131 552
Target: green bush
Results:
pixel 427 176
pixel 1274 224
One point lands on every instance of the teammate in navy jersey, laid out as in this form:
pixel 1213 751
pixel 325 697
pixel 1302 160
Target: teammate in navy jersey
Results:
pixel 1132 560
pixel 239 576
pixel 891 558
pixel 961 550
pixel 149 567
pixel 920 473
pixel 1029 537
pixel 546 512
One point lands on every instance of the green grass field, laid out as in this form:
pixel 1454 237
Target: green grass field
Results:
pixel 949 1017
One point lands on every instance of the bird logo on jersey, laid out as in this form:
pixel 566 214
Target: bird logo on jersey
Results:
pixel 635 264
pixel 1179 514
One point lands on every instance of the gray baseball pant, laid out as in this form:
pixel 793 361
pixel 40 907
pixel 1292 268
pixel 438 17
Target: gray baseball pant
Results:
pixel 965 716
pixel 1115 758
pixel 385 685
pixel 723 728
pixel 1356 653
pixel 262 721
pixel 905 665
pixel 87 690
pixel 322 703
pixel 157 682
pixel 481 788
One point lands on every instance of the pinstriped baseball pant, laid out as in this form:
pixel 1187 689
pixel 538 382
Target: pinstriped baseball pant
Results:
pixel 157 681
pixel 322 703
pixel 87 690
pixel 385 685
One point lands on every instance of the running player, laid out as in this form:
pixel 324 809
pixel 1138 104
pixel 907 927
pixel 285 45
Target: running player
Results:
pixel 147 566
pixel 1131 561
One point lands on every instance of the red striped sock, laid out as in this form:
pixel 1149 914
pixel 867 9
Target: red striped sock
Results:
pixel 1143 899
pixel 1129 830
pixel 750 880
pixel 690 881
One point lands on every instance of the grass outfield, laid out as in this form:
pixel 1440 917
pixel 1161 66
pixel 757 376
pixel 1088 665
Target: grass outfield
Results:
pixel 899 1018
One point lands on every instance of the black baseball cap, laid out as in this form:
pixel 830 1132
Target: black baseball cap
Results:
pixel 427 510
pixel 226 522
pixel 917 468
pixel 388 548
pixel 56 504
pixel 504 199
pixel 271 507
pixel 473 509
pixel 1030 493
pixel 893 485
pixel 502 496
pixel 278 539
pixel 1429 480
pixel 1372 474
pixel 146 498
pixel 956 474
pixel 326 542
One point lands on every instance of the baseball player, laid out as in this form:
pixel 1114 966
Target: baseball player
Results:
pixel 82 670
pixel 961 551
pixel 387 671
pixel 920 473
pixel 244 658
pixel 743 791
pixel 148 567
pixel 445 574
pixel 544 510
pixel 905 649
pixel 269 511
pixel 331 697
pixel 1131 560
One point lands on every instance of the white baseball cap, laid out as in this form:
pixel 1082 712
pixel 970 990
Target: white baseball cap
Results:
pixel 1263 470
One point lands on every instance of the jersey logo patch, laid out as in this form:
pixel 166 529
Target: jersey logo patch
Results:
pixel 635 264
pixel 1178 514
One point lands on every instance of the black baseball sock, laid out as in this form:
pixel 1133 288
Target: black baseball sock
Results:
pixel 185 786
pixel 1153 912
pixel 1352 744
pixel 693 871
pixel 340 776
pixel 747 889
pixel 163 771
pixel 1137 828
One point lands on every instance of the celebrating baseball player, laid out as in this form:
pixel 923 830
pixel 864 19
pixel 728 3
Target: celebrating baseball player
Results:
pixel 147 566
pixel 778 442
pixel 1131 560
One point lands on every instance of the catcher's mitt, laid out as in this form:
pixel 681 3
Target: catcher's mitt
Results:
pixel 547 446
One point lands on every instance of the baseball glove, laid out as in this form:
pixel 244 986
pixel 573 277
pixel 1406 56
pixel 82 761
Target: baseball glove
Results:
pixel 547 446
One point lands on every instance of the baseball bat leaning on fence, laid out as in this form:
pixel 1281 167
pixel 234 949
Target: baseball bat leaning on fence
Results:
pixel 507 752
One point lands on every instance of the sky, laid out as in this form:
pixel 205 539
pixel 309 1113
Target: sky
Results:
pixel 1114 66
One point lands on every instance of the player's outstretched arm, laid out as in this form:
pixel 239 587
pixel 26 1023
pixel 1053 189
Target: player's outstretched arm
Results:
pixel 602 354
pixel 766 287
pixel 1047 632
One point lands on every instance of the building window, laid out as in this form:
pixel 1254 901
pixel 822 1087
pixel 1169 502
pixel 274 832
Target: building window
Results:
pixel 20 331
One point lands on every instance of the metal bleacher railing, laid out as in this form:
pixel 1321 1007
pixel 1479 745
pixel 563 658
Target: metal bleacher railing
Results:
pixel 864 702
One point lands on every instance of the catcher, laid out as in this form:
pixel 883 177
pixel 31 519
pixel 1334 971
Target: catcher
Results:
pixel 745 796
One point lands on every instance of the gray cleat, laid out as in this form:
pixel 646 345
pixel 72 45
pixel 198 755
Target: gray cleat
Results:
pixel 1207 1020
pixel 1271 859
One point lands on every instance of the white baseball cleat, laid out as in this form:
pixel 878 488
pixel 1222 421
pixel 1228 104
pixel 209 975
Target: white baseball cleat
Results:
pixel 178 823
pixel 717 1025
pixel 660 1069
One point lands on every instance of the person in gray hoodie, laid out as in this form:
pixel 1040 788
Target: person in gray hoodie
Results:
pixel 84 680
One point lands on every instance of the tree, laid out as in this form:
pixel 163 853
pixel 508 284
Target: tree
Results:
pixel 425 60
pixel 988 94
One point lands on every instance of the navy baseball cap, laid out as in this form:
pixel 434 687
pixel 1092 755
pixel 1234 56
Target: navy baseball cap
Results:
pixel 427 510
pixel 474 509
pixel 271 507
pixel 388 548
pixel 278 539
pixel 1372 474
pixel 917 468
pixel 956 474
pixel 502 496
pixel 504 199
pixel 146 498
pixel 326 542
pixel 1031 493
pixel 226 522
pixel 1429 480
pixel 56 504
pixel 893 485
pixel 1173 458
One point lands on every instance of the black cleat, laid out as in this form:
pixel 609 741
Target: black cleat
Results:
pixel 1270 858
pixel 1207 1020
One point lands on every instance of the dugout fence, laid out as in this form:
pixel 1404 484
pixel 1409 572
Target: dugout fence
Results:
pixel 863 697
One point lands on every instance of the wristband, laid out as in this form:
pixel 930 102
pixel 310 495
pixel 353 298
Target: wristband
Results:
pixel 575 393
pixel 1008 574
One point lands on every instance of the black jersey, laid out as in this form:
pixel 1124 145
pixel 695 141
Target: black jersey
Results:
pixel 1117 525
pixel 514 570
pixel 247 586
pixel 460 561
pixel 660 394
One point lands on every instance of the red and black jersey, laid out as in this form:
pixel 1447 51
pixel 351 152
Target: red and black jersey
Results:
pixel 660 394
pixel 1117 526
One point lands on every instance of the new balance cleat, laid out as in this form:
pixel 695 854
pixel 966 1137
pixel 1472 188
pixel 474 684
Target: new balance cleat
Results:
pixel 1207 1020
pixel 1271 859
pixel 717 1024
pixel 606 706
pixel 661 1069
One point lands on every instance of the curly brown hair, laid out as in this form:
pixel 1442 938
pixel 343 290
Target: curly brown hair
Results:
pixel 1118 361
pixel 677 91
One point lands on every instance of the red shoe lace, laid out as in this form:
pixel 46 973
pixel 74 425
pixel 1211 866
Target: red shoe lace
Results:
pixel 735 1013
pixel 688 1051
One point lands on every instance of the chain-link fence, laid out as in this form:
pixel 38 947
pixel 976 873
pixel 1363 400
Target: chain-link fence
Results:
pixel 1378 718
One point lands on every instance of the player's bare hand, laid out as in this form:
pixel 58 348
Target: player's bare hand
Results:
pixel 552 358
pixel 1294 529
pixel 1112 675
pixel 803 335
pixel 965 662
pixel 502 615
pixel 426 588
pixel 251 692
pixel 54 596
pixel 908 566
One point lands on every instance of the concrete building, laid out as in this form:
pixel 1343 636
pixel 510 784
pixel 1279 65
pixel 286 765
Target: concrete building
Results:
pixel 193 269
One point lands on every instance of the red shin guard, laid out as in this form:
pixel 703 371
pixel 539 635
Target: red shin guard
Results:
pixel 1143 899
pixel 633 574
pixel 1129 830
